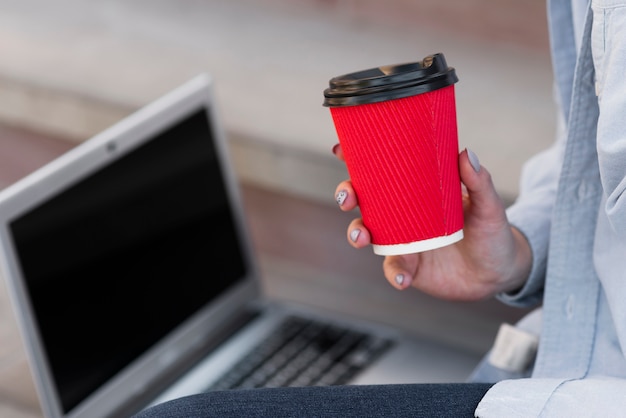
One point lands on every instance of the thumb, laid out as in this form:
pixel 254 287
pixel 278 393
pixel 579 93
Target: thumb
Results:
pixel 485 203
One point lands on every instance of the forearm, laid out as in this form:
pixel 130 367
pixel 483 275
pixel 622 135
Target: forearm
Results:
pixel 521 264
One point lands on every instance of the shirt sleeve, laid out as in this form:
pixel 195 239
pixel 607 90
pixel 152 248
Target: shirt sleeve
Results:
pixel 609 53
pixel 531 215
pixel 593 396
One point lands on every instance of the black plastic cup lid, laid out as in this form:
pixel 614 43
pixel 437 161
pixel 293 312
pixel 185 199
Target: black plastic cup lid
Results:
pixel 390 82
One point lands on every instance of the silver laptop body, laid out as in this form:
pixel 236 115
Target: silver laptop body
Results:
pixel 132 275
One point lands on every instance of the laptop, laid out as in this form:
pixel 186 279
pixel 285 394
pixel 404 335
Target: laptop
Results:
pixel 134 281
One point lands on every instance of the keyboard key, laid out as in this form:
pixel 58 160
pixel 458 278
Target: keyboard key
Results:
pixel 303 353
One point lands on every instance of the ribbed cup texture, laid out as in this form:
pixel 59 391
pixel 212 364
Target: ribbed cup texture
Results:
pixel 402 157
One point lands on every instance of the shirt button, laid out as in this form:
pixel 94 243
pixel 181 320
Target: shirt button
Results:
pixel 569 307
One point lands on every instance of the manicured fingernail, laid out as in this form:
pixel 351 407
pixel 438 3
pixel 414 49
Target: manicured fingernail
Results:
pixel 354 234
pixel 399 279
pixel 335 148
pixel 341 197
pixel 473 159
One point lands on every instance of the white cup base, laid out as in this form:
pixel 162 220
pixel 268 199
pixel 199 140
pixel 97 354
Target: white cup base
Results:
pixel 418 246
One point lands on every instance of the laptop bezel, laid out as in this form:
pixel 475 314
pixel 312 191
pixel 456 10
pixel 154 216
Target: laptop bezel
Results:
pixel 81 161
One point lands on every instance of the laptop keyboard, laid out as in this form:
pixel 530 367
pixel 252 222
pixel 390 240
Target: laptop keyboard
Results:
pixel 304 352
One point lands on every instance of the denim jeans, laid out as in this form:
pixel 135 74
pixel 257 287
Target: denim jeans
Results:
pixel 406 400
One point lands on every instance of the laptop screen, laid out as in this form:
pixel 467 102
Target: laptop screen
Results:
pixel 118 260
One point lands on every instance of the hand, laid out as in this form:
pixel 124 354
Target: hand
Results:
pixel 492 257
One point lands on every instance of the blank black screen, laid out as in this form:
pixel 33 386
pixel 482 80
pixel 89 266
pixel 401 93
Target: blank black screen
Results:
pixel 115 262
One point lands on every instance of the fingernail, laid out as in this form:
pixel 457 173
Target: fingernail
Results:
pixel 399 279
pixel 335 148
pixel 473 159
pixel 354 234
pixel 341 197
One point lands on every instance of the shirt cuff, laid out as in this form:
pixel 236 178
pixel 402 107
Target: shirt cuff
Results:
pixel 593 396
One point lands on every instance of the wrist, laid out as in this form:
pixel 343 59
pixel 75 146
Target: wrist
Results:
pixel 522 263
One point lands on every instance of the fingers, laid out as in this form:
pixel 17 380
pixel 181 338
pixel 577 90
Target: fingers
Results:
pixel 398 271
pixel 338 152
pixel 345 196
pixel 344 193
pixel 358 235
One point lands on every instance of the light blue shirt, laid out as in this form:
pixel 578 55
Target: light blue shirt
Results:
pixel 572 209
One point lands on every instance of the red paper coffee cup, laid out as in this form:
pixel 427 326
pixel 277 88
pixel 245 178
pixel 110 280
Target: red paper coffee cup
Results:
pixel 398 131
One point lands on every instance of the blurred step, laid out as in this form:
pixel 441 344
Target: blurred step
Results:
pixel 72 68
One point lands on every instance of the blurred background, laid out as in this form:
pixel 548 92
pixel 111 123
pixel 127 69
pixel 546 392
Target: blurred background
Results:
pixel 71 68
